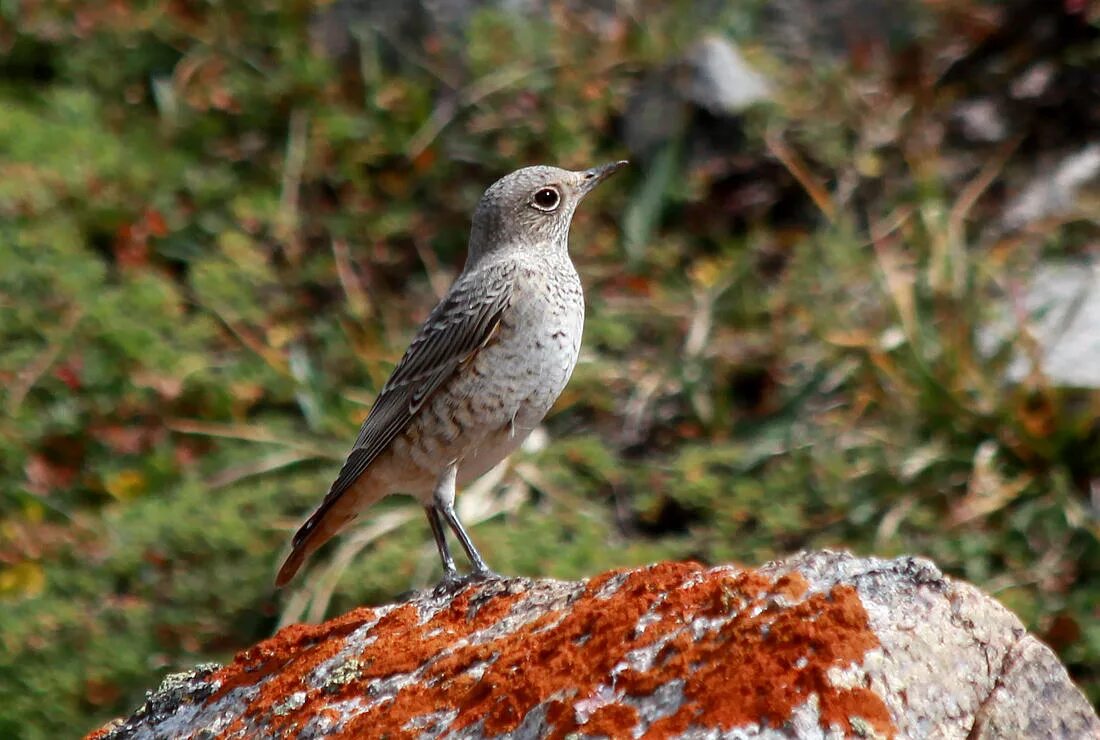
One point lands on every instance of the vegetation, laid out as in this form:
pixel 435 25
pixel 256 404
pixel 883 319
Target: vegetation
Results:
pixel 216 237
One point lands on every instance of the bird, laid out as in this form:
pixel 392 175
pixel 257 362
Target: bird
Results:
pixel 480 373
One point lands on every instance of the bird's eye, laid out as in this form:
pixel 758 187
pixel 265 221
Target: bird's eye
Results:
pixel 547 199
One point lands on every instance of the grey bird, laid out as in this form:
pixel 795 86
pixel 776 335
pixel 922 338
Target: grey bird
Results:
pixel 482 371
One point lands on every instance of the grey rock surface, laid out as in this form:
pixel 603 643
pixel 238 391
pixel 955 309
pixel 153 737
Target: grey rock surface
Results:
pixel 712 76
pixel 1061 306
pixel 820 645
pixel 1056 190
pixel 720 79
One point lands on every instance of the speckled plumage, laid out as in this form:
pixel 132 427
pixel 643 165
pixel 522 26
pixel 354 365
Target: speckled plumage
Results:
pixel 482 371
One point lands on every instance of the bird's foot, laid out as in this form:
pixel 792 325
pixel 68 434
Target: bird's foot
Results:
pixel 453 582
pixel 485 574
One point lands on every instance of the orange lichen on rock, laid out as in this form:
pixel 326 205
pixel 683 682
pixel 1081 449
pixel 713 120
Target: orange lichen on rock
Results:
pixel 292 648
pixel 791 585
pixel 821 643
pixel 530 666
pixel 763 663
pixel 745 648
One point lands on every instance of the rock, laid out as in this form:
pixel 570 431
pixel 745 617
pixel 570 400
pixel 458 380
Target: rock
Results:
pixel 1057 190
pixel 820 645
pixel 981 120
pixel 1062 306
pixel 711 76
pixel 720 80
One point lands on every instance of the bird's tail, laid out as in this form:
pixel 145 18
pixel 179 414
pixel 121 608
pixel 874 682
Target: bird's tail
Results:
pixel 308 538
pixel 291 565
pixel 334 513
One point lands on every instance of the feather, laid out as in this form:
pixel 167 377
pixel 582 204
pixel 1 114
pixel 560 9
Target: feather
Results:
pixel 463 322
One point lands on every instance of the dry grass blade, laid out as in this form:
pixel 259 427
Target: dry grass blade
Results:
pixel 294 164
pixel 272 357
pixel 636 411
pixel 888 526
pixel 449 107
pixel 899 285
pixel 533 477
pixel 697 340
pixel 794 164
pixel 358 303
pixel 312 600
pixel 362 398
pixel 245 433
pixel 949 258
pixel 438 278
pixel 476 502
pixel 977 187
pixel 266 464
pixel 988 490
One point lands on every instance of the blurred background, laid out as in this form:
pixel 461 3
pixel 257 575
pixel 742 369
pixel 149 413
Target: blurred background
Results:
pixel 843 298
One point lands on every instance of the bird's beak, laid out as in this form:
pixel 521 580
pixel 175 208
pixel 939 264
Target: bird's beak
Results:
pixel 593 177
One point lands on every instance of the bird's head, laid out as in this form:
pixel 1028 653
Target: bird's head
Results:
pixel 532 207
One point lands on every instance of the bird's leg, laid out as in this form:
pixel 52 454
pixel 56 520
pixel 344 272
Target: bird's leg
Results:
pixel 450 573
pixel 444 500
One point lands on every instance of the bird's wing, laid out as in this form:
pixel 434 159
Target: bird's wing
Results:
pixel 463 322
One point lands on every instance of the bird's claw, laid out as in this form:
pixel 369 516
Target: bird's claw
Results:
pixel 452 582
pixel 485 574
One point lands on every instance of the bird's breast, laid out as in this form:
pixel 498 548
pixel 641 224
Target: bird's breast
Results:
pixel 537 345
pixel 502 393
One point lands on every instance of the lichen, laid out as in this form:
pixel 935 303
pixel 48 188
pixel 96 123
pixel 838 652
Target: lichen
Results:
pixel 740 647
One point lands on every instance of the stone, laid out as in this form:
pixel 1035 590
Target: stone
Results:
pixel 821 645
pixel 720 79
pixel 1056 190
pixel 1062 304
